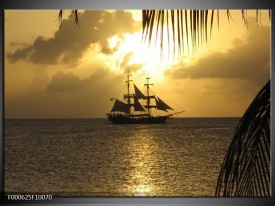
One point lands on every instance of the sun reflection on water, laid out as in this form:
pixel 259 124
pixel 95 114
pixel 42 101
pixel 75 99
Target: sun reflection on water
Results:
pixel 143 164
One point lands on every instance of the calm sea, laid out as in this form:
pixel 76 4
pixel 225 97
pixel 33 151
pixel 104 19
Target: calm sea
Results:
pixel 92 157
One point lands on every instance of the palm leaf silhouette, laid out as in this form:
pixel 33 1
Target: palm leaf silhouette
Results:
pixel 246 167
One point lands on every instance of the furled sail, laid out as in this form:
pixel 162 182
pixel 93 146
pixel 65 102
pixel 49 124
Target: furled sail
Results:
pixel 120 106
pixel 138 93
pixel 161 105
pixel 138 106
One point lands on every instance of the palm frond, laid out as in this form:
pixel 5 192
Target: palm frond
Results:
pixel 74 12
pixel 186 29
pixel 245 18
pixel 212 19
pixel 246 167
pixel 182 26
pixel 197 26
pixel 60 17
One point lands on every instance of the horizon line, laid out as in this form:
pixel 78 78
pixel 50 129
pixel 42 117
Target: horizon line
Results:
pixel 50 118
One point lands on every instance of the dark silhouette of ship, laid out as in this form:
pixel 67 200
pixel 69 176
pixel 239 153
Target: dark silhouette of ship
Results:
pixel 132 111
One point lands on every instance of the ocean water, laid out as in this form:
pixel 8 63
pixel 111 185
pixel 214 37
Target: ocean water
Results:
pixel 92 157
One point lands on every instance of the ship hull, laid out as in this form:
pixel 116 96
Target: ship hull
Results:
pixel 125 119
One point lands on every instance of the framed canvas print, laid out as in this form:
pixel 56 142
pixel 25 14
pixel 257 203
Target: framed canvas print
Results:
pixel 142 103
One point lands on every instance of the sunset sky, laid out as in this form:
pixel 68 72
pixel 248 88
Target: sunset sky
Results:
pixel 66 72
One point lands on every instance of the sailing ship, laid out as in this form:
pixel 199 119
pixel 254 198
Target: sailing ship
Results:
pixel 132 111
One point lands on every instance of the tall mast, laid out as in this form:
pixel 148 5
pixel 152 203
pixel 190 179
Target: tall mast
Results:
pixel 128 95
pixel 148 94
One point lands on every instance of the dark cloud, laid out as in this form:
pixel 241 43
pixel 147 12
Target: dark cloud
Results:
pixel 66 95
pixel 64 83
pixel 249 61
pixel 89 97
pixel 68 44
pixel 19 44
pixel 69 83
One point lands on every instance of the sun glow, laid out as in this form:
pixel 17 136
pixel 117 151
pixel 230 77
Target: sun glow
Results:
pixel 150 59
pixel 129 51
